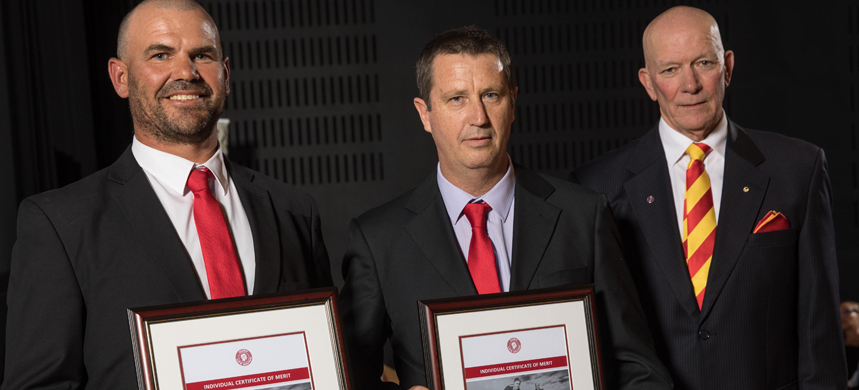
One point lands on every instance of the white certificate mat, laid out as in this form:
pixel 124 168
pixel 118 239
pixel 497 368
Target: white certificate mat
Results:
pixel 261 334
pixel 536 358
pixel 546 345
pixel 246 364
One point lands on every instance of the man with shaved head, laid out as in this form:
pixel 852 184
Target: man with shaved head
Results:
pixel 727 231
pixel 171 221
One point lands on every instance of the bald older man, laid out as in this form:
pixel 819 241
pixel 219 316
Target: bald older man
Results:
pixel 171 221
pixel 727 231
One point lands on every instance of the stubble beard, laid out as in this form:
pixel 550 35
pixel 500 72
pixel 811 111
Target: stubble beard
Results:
pixel 193 127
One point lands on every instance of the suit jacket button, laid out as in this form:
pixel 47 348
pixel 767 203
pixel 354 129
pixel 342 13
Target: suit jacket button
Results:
pixel 704 335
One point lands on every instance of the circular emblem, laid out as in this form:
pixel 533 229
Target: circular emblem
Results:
pixel 650 199
pixel 244 357
pixel 514 345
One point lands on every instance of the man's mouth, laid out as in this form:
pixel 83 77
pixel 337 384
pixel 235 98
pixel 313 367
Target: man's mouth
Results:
pixel 183 97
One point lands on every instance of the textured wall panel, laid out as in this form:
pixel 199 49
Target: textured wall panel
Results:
pixel 322 89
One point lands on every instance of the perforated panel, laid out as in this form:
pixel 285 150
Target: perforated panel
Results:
pixel 304 88
pixel 322 89
pixel 576 63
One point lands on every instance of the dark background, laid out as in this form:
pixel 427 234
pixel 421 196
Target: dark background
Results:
pixel 322 91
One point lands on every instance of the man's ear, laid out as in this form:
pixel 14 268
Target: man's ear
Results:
pixel 424 113
pixel 647 82
pixel 118 76
pixel 729 66
pixel 227 73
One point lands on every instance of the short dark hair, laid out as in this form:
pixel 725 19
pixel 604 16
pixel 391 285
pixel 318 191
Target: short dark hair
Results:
pixel 470 40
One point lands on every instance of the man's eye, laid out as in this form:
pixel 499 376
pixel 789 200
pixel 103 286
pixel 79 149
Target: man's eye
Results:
pixel 160 56
pixel 705 62
pixel 203 57
pixel 669 70
pixel 492 95
pixel 456 99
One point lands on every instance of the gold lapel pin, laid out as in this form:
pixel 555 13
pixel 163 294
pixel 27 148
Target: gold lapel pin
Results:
pixel 745 189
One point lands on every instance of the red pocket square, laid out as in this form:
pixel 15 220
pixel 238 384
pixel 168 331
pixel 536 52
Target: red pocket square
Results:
pixel 773 221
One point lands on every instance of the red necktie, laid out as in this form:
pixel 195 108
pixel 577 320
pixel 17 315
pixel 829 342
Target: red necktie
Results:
pixel 219 254
pixel 481 256
pixel 699 220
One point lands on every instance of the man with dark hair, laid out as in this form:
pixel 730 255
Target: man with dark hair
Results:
pixel 171 221
pixel 481 224
pixel 728 231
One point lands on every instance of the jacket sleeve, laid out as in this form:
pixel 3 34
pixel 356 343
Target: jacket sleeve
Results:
pixel 46 314
pixel 628 353
pixel 821 348
pixel 366 323
pixel 321 262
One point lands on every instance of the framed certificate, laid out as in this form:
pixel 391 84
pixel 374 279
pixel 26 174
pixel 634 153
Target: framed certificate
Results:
pixel 530 340
pixel 266 342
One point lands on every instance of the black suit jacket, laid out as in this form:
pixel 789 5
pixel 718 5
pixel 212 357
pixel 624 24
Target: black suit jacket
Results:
pixel 406 250
pixel 770 315
pixel 87 252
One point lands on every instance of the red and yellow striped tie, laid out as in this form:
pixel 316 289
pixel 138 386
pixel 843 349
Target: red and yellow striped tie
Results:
pixel 699 220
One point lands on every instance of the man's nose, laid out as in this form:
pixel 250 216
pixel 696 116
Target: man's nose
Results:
pixel 185 69
pixel 477 114
pixel 691 81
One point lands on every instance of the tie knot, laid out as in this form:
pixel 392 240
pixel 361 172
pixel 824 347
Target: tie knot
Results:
pixel 697 151
pixel 476 214
pixel 199 180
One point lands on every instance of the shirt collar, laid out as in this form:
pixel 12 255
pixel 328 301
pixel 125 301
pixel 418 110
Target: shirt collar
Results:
pixel 500 197
pixel 173 171
pixel 675 144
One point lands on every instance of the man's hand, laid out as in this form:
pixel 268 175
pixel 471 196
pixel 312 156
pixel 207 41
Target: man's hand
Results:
pixel 418 388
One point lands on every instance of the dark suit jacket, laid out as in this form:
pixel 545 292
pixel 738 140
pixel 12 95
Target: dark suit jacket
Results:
pixel 770 315
pixel 87 252
pixel 406 250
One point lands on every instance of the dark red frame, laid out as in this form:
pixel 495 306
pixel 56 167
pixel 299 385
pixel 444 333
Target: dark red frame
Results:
pixel 140 318
pixel 431 308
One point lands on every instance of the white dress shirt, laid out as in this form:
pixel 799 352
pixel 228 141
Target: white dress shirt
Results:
pixel 499 220
pixel 168 176
pixel 675 145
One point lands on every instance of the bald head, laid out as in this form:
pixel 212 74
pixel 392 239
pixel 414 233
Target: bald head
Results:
pixel 677 20
pixel 129 19
pixel 686 70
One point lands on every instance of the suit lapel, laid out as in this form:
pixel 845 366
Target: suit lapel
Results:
pixel 138 202
pixel 738 211
pixel 533 225
pixel 431 231
pixel 658 218
pixel 266 236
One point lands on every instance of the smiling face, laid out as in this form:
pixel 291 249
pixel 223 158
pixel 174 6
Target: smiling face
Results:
pixel 173 74
pixel 687 70
pixel 472 111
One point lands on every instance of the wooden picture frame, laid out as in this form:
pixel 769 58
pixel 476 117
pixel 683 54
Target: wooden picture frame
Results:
pixel 240 343
pixel 550 334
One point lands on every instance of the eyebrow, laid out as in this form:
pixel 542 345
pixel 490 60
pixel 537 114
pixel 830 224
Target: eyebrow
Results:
pixel 203 49
pixel 159 47
pixel 458 92
pixel 699 57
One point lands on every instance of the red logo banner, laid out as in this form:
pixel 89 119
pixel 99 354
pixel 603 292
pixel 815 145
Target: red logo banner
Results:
pixel 514 367
pixel 242 382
